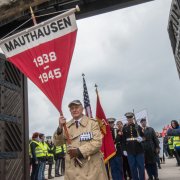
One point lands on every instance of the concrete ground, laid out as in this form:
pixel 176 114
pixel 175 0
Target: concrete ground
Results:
pixel 169 171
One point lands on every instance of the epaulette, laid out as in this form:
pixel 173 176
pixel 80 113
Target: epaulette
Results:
pixel 69 123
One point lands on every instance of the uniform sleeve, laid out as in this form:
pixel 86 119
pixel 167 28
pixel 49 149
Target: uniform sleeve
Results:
pixel 59 131
pixel 173 132
pixel 94 145
pixel 155 139
pixel 124 140
pixel 33 147
pixel 140 131
pixel 58 139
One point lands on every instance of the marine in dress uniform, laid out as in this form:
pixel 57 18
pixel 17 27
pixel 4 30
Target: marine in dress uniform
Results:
pixel 132 147
pixel 86 141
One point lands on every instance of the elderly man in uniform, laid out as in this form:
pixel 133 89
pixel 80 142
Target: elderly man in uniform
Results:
pixel 86 141
pixel 151 148
pixel 132 146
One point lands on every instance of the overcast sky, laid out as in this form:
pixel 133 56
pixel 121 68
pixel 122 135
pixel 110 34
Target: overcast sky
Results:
pixel 128 54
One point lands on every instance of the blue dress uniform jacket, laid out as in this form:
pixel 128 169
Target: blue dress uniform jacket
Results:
pixel 132 146
pixel 134 150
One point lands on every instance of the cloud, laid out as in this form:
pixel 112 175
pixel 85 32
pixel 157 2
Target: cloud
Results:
pixel 128 54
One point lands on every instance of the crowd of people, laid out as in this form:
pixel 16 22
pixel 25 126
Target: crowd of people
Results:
pixel 44 153
pixel 138 148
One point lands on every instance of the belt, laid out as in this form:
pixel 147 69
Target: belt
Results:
pixel 131 139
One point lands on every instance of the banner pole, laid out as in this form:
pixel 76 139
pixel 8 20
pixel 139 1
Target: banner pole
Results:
pixel 65 130
pixel 33 16
pixel 76 160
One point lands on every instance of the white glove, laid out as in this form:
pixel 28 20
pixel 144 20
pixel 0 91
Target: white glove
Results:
pixel 139 139
pixel 125 153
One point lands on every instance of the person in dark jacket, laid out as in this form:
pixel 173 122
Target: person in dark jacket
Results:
pixel 151 147
pixel 50 158
pixel 132 147
pixel 116 161
pixel 119 147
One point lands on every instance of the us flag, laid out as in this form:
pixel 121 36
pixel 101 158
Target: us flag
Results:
pixel 87 105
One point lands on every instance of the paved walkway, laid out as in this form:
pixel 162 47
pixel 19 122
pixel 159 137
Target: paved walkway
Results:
pixel 169 171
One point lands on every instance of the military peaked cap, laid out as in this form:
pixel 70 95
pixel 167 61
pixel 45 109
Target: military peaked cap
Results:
pixel 111 119
pixel 129 114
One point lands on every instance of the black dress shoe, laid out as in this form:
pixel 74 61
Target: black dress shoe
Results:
pixel 57 175
pixel 50 177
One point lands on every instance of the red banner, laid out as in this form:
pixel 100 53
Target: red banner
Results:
pixel 43 53
pixel 108 148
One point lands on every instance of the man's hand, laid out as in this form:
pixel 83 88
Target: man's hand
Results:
pixel 157 150
pixel 62 121
pixel 73 153
pixel 139 139
pixel 125 153
pixel 120 133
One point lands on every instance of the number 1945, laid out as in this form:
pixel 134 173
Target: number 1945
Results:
pixel 52 74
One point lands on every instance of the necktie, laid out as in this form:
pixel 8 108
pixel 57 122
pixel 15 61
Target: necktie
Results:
pixel 77 123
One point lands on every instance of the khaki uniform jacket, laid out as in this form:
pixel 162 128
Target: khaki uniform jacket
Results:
pixel 93 167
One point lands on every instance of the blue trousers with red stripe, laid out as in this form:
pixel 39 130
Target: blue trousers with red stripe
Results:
pixel 136 163
pixel 116 168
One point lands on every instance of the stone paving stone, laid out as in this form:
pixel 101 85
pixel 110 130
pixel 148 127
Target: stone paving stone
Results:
pixel 169 171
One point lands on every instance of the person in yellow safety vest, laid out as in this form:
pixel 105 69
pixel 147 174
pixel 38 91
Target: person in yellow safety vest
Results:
pixel 50 157
pixel 176 142
pixel 64 150
pixel 42 159
pixel 35 151
pixel 170 146
pixel 58 155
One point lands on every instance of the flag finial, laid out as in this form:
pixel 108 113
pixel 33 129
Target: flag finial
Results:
pixel 96 86
pixel 83 74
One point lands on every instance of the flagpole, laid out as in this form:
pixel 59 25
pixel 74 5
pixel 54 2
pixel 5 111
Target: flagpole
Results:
pixel 33 16
pixel 65 129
